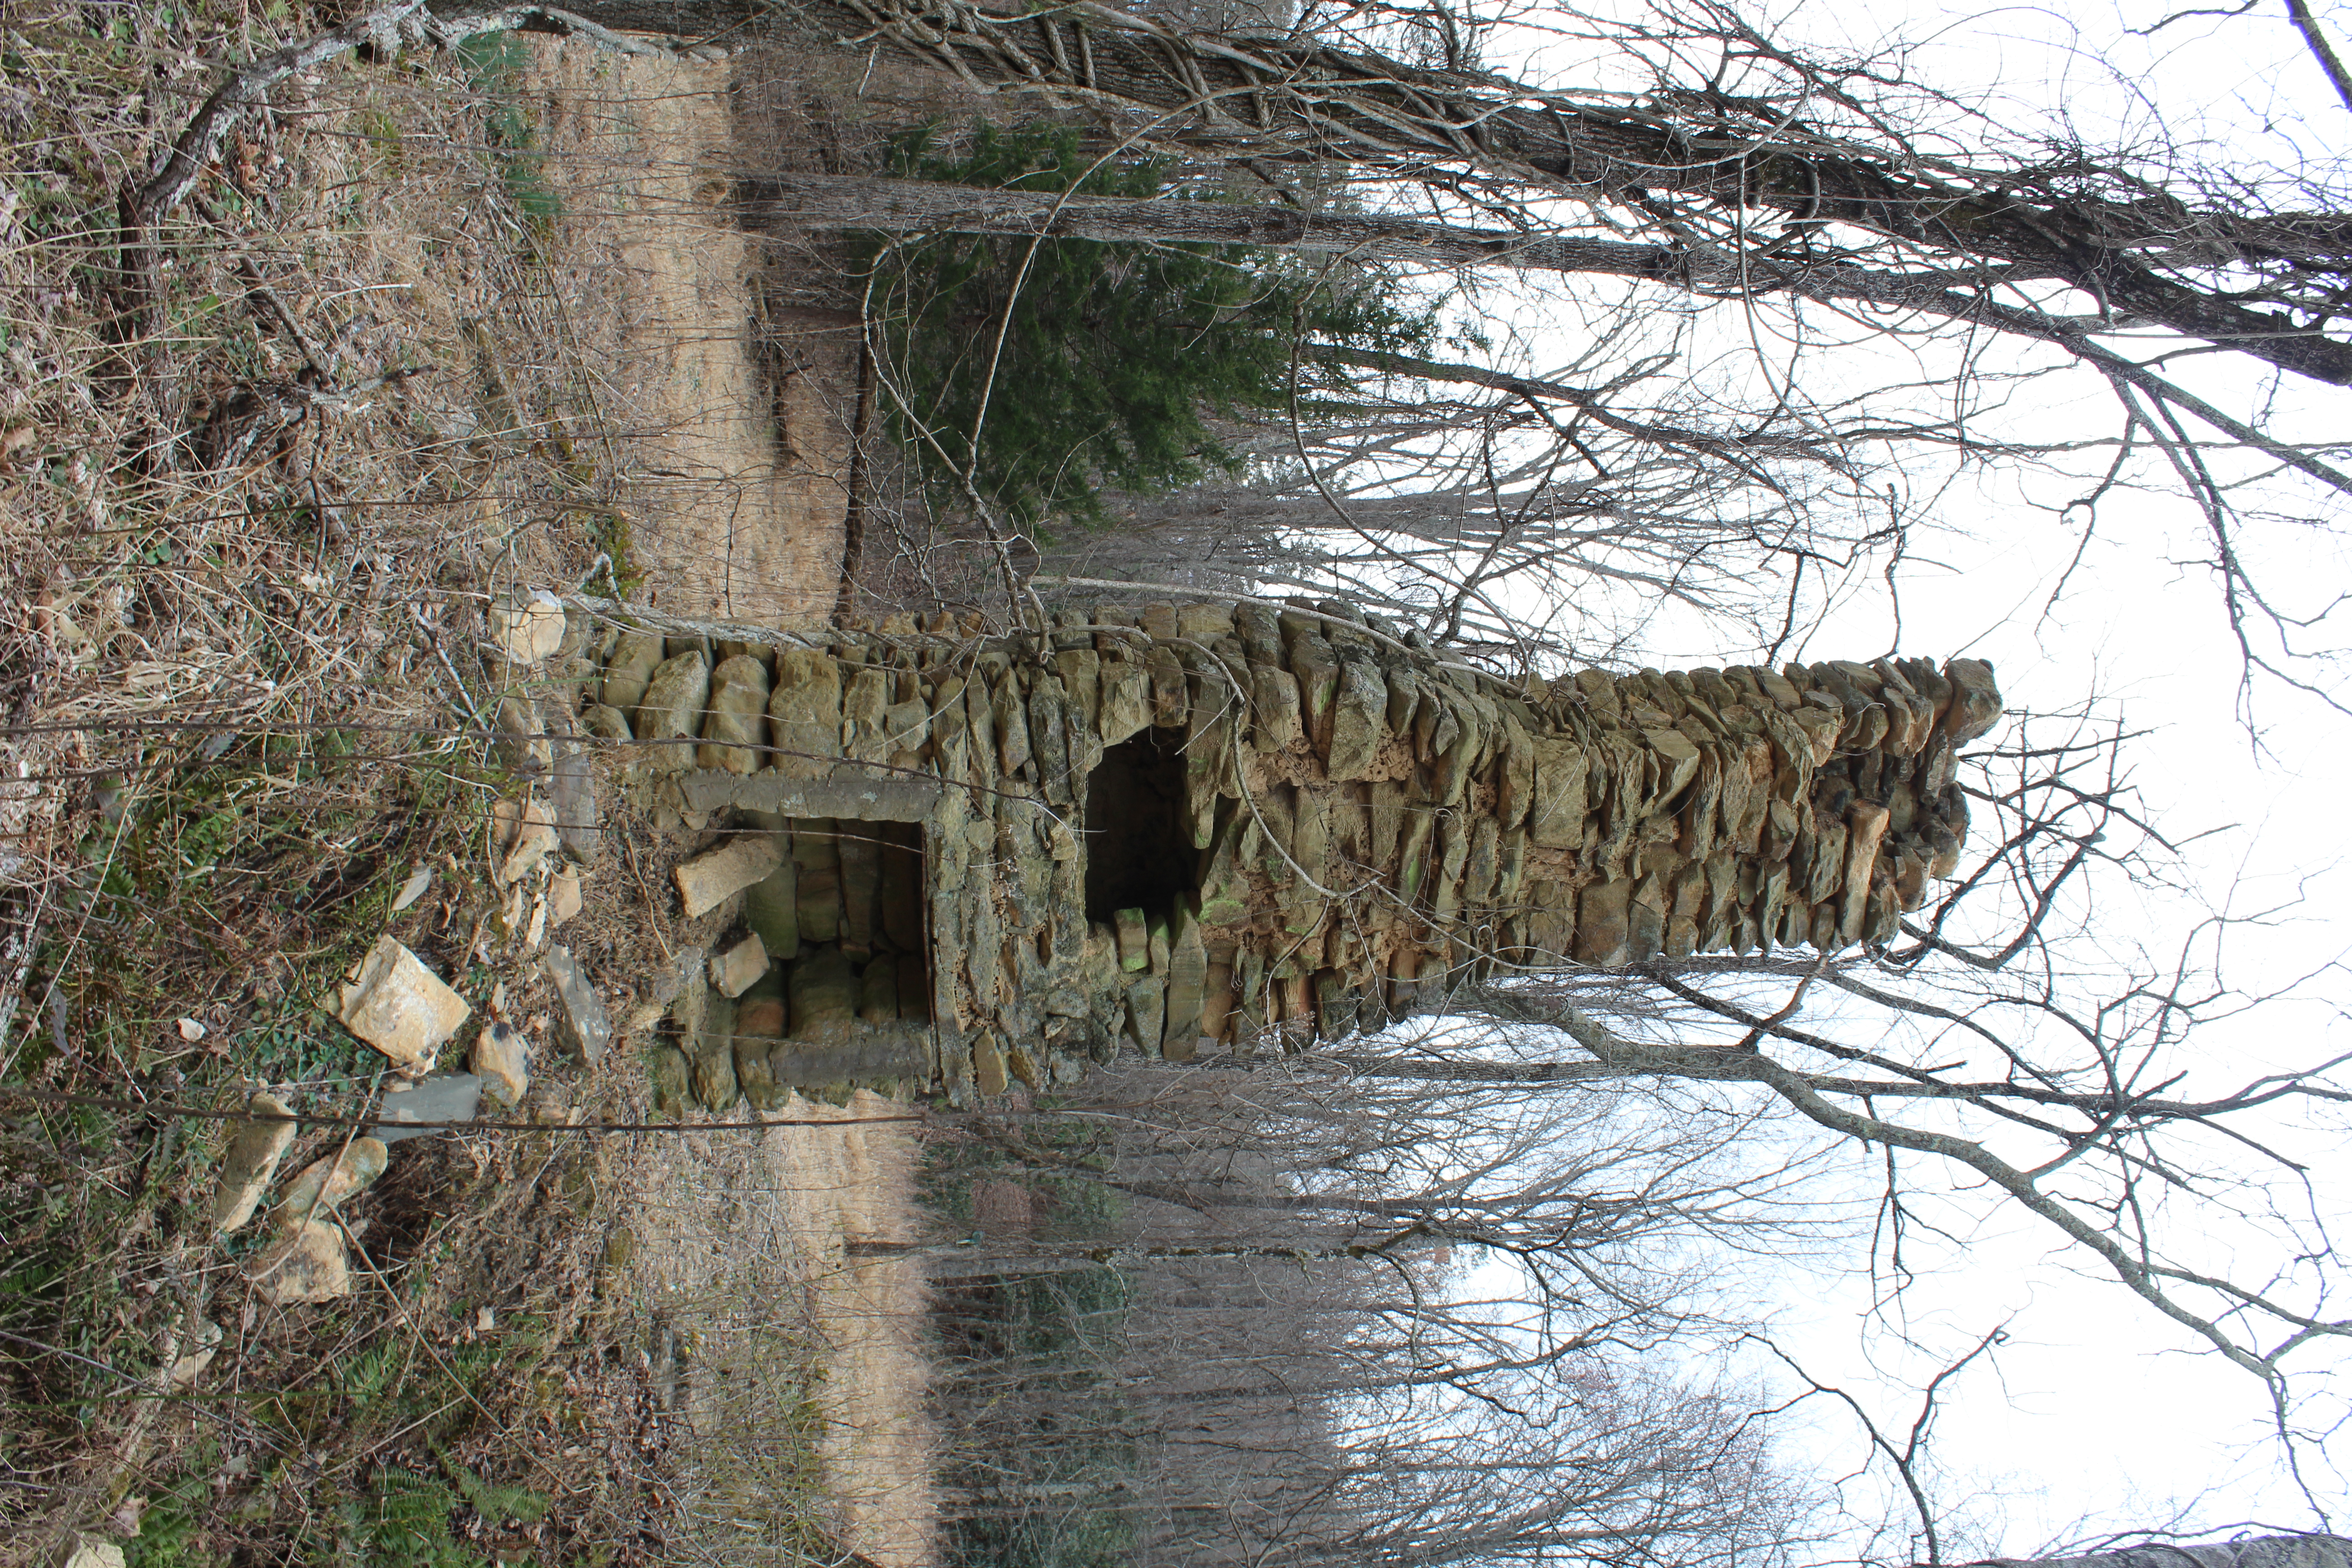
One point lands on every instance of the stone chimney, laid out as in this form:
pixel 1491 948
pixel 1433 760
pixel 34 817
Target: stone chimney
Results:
pixel 1214 827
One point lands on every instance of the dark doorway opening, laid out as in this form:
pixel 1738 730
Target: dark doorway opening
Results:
pixel 1140 851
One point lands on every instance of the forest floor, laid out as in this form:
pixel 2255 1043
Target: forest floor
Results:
pixel 431 330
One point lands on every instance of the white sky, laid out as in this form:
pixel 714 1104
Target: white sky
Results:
pixel 2095 1415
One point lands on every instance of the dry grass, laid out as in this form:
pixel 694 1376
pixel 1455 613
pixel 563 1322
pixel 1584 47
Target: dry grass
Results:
pixel 433 330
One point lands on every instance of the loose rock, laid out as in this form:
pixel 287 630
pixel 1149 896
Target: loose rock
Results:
pixel 324 1184
pixel 308 1264
pixel 530 627
pixel 250 1164
pixel 501 1059
pixel 448 1096
pixel 534 840
pixel 399 1006
pixel 563 897
pixel 709 880
pixel 413 889
pixel 580 1021
pixel 733 972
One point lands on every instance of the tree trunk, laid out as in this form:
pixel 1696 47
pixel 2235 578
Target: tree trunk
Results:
pixel 1295 99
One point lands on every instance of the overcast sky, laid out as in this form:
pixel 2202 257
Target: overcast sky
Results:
pixel 2096 1414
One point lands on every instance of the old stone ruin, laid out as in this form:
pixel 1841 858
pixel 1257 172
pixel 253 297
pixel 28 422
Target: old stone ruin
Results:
pixel 965 858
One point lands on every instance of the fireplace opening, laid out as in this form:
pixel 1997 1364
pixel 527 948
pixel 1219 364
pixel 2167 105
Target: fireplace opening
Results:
pixel 1140 851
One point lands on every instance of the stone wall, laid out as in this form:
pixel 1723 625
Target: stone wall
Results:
pixel 1320 823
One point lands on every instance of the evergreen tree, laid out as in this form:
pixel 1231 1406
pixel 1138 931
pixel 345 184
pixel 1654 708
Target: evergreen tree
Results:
pixel 1085 365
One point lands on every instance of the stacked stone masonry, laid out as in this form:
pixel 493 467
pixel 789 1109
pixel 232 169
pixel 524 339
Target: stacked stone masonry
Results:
pixel 1219 825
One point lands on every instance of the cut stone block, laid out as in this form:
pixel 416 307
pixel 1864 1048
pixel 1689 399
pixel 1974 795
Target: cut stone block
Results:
pixel 804 713
pixel 711 879
pixel 733 972
pixel 399 1006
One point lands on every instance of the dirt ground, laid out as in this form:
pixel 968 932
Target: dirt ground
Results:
pixel 735 481
pixel 735 475
pixel 739 1234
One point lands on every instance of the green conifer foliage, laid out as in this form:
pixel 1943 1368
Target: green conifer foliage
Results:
pixel 1115 356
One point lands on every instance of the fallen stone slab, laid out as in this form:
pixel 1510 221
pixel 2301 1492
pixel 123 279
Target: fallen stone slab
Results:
pixel 534 840
pixel 307 1265
pixel 324 1184
pixel 501 1059
pixel 399 1006
pixel 250 1164
pixel 447 1097
pixel 709 880
pixel 563 897
pixel 528 628
pixel 572 790
pixel 580 1020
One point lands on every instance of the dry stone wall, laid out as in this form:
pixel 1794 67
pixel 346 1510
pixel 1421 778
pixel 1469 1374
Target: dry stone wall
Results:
pixel 1173 828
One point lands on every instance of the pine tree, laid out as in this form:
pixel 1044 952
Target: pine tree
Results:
pixel 1085 365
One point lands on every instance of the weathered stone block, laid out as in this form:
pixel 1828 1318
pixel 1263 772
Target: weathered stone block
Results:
pixel 671 1079
pixel 804 713
pixel 669 717
pixel 717 1082
pixel 1147 1012
pixel 771 909
pixel 1273 708
pixel 1134 933
pixel 1603 925
pixel 1559 818
pixel 823 994
pixel 251 1160
pixel 1358 709
pixel 735 732
pixel 1125 708
pixel 989 1067
pixel 632 665
pixel 735 971
pixel 399 1006
pixel 1012 719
